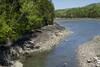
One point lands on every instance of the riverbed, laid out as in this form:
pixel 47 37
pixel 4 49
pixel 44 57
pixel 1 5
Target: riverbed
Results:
pixel 64 54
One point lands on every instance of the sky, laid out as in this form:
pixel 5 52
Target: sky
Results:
pixel 61 4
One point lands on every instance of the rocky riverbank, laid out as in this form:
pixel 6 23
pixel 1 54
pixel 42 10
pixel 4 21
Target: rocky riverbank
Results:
pixel 36 41
pixel 89 53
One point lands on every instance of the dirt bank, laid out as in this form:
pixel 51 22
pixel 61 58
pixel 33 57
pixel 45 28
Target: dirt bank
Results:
pixel 89 53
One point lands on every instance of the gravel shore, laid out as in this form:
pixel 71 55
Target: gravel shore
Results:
pixel 50 38
pixel 89 53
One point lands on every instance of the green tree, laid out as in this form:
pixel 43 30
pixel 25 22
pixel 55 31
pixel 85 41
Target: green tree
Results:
pixel 89 11
pixel 19 16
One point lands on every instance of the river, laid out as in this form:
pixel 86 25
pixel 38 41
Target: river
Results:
pixel 64 54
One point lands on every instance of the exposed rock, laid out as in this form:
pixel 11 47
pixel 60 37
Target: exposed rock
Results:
pixel 17 64
pixel 89 61
pixel 5 55
pixel 97 61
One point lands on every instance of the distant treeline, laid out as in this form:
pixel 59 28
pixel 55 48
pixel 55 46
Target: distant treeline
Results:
pixel 20 16
pixel 89 11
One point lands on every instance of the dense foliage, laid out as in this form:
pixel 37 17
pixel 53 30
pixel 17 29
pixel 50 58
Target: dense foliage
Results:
pixel 90 11
pixel 19 16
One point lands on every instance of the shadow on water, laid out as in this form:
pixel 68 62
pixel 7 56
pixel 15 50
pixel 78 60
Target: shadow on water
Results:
pixel 64 54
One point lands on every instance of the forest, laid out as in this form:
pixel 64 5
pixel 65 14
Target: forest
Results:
pixel 89 11
pixel 20 16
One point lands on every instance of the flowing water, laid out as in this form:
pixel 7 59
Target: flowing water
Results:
pixel 64 54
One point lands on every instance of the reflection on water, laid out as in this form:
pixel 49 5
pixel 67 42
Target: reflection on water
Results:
pixel 63 55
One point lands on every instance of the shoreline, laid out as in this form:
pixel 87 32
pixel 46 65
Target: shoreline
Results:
pixel 78 18
pixel 88 54
pixel 47 37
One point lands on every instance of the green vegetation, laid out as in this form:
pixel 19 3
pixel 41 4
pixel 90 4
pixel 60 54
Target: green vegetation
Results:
pixel 20 16
pixel 90 11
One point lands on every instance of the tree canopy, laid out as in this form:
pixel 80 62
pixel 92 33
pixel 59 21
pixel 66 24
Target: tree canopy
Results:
pixel 19 16
pixel 89 11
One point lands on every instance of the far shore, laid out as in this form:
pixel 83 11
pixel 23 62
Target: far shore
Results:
pixel 78 18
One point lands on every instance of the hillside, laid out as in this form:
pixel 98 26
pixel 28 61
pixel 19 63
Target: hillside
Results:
pixel 89 11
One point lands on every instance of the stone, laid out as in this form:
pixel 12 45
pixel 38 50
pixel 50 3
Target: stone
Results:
pixel 17 64
pixel 65 64
pixel 37 47
pixel 96 59
pixel 97 64
pixel 89 61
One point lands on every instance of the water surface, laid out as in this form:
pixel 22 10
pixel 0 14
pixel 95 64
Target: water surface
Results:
pixel 65 51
